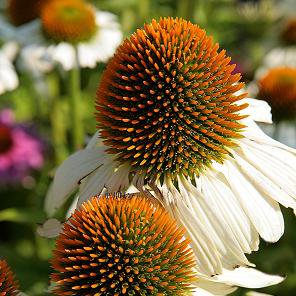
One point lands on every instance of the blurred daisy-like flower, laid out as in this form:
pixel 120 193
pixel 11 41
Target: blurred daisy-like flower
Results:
pixel 278 88
pixel 124 245
pixel 8 284
pixel 172 123
pixel 72 25
pixel 8 76
pixel 20 151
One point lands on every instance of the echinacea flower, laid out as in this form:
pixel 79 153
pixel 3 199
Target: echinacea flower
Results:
pixel 8 76
pixel 278 88
pixel 123 245
pixel 70 25
pixel 20 151
pixel 8 284
pixel 172 124
pixel 289 32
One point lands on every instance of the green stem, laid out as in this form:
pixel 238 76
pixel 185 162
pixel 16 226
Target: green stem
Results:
pixel 74 104
pixel 57 121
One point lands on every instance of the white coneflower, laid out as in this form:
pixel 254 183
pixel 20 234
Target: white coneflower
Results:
pixel 172 124
pixel 68 25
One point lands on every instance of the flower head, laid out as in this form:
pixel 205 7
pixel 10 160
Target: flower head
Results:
pixel 68 20
pixel 289 32
pixel 278 88
pixel 167 100
pixel 8 284
pixel 21 12
pixel 122 246
pixel 20 150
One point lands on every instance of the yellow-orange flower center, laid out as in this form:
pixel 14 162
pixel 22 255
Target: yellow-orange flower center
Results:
pixel 167 102
pixel 278 88
pixel 8 285
pixel 122 246
pixel 23 11
pixel 68 20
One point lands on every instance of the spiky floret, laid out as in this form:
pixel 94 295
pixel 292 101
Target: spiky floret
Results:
pixel 6 140
pixel 68 20
pixel 122 246
pixel 21 12
pixel 278 88
pixel 8 284
pixel 167 101
pixel 289 32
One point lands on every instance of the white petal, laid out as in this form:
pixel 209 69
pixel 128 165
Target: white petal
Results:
pixel 50 229
pixel 236 220
pixel 207 256
pixel 209 212
pixel 258 110
pixel 253 293
pixel 264 212
pixel 264 184
pixel 208 286
pixel 69 175
pixel 248 278
pixel 110 176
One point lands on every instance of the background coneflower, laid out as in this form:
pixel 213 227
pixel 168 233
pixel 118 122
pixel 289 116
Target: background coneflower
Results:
pixel 8 284
pixel 166 102
pixel 21 12
pixel 278 88
pixel 122 246
pixel 68 20
pixel 289 32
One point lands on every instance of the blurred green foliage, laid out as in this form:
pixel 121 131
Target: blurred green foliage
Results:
pixel 245 29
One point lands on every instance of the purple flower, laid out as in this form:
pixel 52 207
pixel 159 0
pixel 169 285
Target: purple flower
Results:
pixel 20 151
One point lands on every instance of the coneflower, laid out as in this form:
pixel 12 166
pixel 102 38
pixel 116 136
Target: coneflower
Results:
pixel 174 126
pixel 68 20
pixel 278 88
pixel 8 284
pixel 289 32
pixel 122 246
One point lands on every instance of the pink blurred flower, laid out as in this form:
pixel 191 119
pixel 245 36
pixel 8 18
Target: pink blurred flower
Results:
pixel 20 151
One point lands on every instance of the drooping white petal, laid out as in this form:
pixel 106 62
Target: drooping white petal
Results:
pixel 207 210
pixel 70 173
pixel 110 176
pixel 207 255
pixel 235 219
pixel 264 184
pixel 50 229
pixel 209 286
pixel 248 278
pixel 275 163
pixel 258 110
pixel 263 211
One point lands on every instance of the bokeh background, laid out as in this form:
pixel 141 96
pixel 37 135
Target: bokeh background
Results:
pixel 248 30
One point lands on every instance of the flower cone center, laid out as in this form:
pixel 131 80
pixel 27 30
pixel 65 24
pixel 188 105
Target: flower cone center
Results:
pixel 69 21
pixel 166 102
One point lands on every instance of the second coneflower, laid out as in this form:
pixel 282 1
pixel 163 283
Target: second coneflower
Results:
pixel 8 284
pixel 122 246
pixel 172 124
pixel 278 88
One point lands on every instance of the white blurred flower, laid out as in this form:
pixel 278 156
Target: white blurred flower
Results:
pixel 8 76
pixel 44 55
